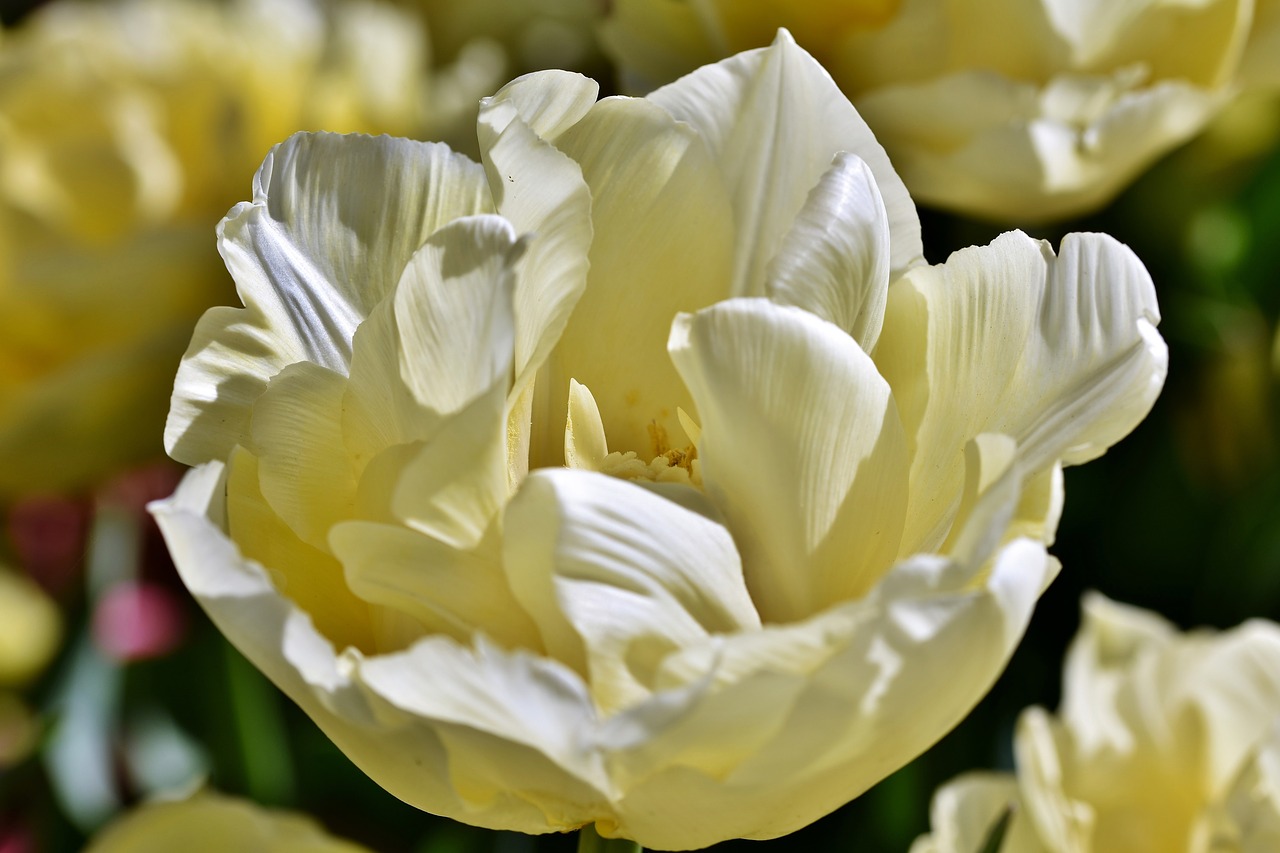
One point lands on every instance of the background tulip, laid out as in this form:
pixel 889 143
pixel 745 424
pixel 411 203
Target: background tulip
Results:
pixel 1026 111
pixel 1164 741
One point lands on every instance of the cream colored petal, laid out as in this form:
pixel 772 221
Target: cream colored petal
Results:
pixel 447 590
pixel 773 119
pixel 801 449
pixel 835 260
pixel 454 312
pixel 635 575
pixel 1059 353
pixel 549 102
pixel 584 440
pixel 477 751
pixel 1253 803
pixel 309 576
pixel 541 192
pixel 443 339
pixel 209 822
pixel 1131 683
pixel 333 222
pixel 303 467
pixel 966 810
pixel 835 703
pixel 663 244
pixel 1195 40
pixel 1008 150
pixel 1064 823
pixel 454 486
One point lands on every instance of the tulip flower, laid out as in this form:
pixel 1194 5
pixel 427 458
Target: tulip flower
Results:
pixel 642 475
pixel 215 823
pixel 1164 741
pixel 126 129
pixel 1025 111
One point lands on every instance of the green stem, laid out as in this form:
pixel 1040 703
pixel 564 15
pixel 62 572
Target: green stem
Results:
pixel 589 841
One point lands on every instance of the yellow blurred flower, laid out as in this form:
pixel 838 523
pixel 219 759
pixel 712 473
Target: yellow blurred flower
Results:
pixel 126 130
pixel 1028 110
pixel 213 823
pixel 612 480
pixel 545 34
pixel 30 629
pixel 1164 741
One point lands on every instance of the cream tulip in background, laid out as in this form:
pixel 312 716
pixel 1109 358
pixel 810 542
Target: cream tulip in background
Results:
pixel 213 823
pixel 126 131
pixel 644 475
pixel 1025 111
pixel 1164 741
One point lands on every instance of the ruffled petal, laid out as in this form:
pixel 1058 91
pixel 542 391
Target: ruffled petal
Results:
pixel 1060 354
pixel 333 222
pixel 773 119
pixel 621 576
pixel 490 737
pixel 801 449
pixel 835 260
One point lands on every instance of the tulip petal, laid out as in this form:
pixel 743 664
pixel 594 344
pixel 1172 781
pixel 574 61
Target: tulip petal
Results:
pixel 333 221
pixel 584 440
pixel 297 436
pixel 801 449
pixel 447 335
pixel 966 811
pixel 660 215
pixel 549 102
pixel 1060 354
pixel 773 117
pixel 541 192
pixel 815 712
pixel 835 260
pixel 633 574
pixel 456 732
pixel 447 590
pixel 310 576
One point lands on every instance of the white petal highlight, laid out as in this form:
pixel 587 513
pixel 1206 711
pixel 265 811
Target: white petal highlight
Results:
pixel 773 119
pixel 834 262
pixel 333 221
pixel 801 449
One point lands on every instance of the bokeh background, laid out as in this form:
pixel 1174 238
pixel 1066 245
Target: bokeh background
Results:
pixel 1183 517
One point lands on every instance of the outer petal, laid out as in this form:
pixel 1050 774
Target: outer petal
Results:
pixel 1061 354
pixel 801 449
pixel 445 728
pixel 830 699
pixel 835 260
pixel 774 119
pixel 333 222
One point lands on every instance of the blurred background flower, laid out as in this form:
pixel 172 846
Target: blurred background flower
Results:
pixel 1164 741
pixel 212 823
pixel 126 131
pixel 1020 111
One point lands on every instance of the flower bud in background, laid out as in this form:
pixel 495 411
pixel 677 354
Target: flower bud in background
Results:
pixel 213 823
pixel 1164 741
pixel 126 130
pixel 644 474
pixel 1023 111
